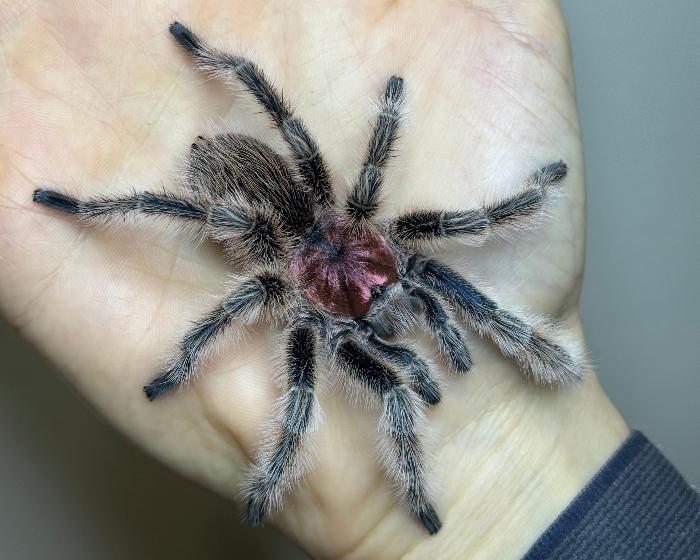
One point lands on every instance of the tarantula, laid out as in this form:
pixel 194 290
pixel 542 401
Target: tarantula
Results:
pixel 336 275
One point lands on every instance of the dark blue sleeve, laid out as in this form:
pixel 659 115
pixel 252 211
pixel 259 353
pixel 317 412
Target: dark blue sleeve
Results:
pixel 637 507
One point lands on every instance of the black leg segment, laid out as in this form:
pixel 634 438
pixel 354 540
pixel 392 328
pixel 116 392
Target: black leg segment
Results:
pixel 436 224
pixel 445 329
pixel 278 464
pixel 422 379
pixel 398 425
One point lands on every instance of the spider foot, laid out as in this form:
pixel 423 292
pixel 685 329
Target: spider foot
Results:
pixel 461 362
pixel 550 363
pixel 429 518
pixel 56 201
pixel 552 173
pixel 454 348
pixel 428 391
pixel 257 504
pixel 158 387
pixel 188 40
pixel 393 93
pixel 255 512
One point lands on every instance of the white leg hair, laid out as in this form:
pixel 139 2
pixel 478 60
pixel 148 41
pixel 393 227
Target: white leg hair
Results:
pixel 280 462
pixel 518 212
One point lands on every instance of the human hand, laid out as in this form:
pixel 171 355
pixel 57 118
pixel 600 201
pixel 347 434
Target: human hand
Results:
pixel 101 100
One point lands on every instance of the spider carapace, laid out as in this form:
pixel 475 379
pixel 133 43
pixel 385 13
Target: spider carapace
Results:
pixel 343 281
pixel 342 271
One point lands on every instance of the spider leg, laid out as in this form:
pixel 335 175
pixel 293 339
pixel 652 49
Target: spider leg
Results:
pixel 102 210
pixel 399 425
pixel 305 151
pixel 542 359
pixel 363 201
pixel 422 380
pixel 444 328
pixel 245 303
pixel 279 464
pixel 247 230
pixel 521 211
pixel 256 232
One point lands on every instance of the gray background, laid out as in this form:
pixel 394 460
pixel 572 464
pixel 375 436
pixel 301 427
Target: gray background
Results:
pixel 71 487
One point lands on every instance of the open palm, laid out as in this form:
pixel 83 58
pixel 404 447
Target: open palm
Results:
pixel 100 100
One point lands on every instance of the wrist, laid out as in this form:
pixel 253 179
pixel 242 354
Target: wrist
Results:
pixel 531 469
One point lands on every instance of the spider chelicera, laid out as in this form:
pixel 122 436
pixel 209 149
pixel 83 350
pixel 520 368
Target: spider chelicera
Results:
pixel 337 276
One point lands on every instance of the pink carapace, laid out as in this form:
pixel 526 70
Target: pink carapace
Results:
pixel 342 269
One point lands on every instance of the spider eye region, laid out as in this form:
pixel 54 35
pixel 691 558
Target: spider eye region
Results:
pixel 342 271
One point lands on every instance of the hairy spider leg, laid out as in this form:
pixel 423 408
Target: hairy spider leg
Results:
pixel 444 328
pixel 247 230
pixel 305 151
pixel 363 201
pixel 257 233
pixel 102 210
pixel 244 304
pixel 518 212
pixel 542 359
pixel 420 375
pixel 398 425
pixel 279 465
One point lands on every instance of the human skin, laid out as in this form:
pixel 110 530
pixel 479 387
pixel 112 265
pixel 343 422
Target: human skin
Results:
pixel 98 100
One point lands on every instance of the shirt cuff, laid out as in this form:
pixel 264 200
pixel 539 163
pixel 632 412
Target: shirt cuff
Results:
pixel 636 507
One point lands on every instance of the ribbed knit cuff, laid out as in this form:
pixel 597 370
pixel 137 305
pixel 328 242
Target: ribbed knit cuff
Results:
pixel 636 507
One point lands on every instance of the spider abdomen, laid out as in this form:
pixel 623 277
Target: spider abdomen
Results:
pixel 340 270
pixel 238 165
